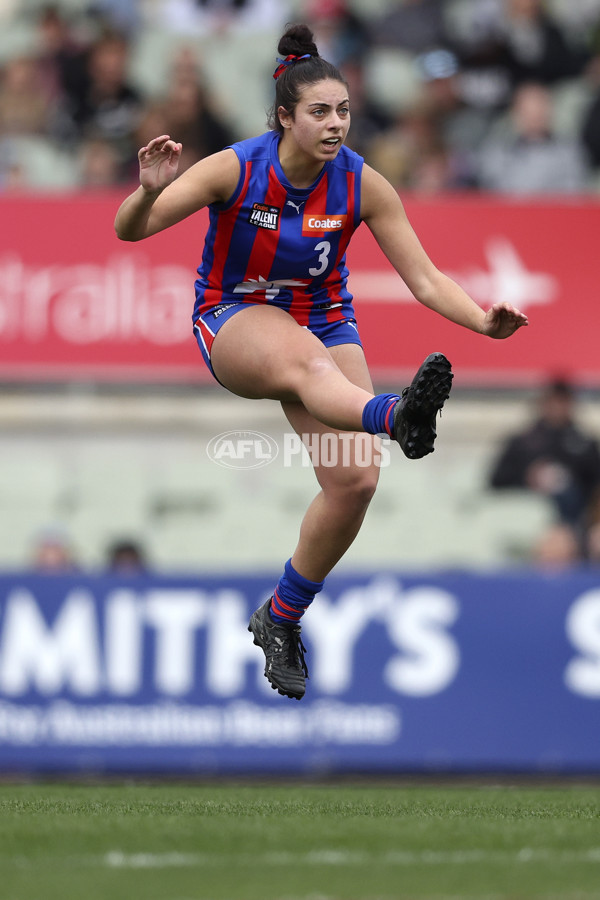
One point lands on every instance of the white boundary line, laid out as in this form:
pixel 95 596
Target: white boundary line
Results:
pixel 116 859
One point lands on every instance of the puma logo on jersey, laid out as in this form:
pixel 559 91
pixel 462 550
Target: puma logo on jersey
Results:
pixel 317 224
pixel 295 205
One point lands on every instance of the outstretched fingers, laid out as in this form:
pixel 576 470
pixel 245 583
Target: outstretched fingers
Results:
pixel 159 162
pixel 162 145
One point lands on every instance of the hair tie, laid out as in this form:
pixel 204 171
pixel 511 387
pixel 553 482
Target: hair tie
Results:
pixel 284 63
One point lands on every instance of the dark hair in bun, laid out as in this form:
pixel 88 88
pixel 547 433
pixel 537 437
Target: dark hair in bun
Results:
pixel 298 41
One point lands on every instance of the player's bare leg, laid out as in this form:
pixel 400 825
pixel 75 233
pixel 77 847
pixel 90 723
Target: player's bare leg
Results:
pixel 335 516
pixel 322 390
pixel 330 525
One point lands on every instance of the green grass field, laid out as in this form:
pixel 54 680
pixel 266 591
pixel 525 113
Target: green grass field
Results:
pixel 139 841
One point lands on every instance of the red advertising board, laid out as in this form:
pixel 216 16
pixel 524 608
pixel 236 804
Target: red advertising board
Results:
pixel 75 302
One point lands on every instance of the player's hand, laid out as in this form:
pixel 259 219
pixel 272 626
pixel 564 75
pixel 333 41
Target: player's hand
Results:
pixel 501 320
pixel 159 162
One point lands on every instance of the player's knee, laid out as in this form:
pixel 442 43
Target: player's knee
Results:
pixel 354 490
pixel 365 486
pixel 294 372
pixel 313 367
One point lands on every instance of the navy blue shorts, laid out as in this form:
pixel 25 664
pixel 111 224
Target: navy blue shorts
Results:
pixel 206 326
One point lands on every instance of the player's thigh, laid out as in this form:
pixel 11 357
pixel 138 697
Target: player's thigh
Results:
pixel 343 460
pixel 262 352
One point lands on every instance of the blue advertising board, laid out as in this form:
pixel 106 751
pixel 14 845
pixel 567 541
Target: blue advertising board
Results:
pixel 443 672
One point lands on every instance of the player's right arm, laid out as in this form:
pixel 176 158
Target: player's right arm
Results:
pixel 162 199
pixel 383 212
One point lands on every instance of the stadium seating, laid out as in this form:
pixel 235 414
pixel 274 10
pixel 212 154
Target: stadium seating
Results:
pixel 159 487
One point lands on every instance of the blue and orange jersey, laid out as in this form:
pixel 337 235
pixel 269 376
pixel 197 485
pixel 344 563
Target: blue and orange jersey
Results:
pixel 275 243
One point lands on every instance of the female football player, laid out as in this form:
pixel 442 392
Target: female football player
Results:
pixel 274 317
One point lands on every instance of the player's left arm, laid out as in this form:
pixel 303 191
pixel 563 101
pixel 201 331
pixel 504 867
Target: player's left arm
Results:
pixel 384 214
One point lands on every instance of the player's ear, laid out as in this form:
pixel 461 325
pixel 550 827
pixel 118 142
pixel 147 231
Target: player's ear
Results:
pixel 284 117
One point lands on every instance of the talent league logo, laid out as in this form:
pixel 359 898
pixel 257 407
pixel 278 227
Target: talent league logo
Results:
pixel 317 224
pixel 264 216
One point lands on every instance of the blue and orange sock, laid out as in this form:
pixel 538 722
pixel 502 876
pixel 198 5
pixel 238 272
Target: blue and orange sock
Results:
pixel 292 596
pixel 378 414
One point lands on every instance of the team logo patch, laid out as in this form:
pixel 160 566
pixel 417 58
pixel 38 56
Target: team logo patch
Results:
pixel 264 216
pixel 317 224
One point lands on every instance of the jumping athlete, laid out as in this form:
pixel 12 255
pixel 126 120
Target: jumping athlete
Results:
pixel 274 318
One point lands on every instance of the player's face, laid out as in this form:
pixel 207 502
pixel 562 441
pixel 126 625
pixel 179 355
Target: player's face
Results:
pixel 321 119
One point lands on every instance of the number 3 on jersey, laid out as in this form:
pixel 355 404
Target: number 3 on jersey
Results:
pixel 324 247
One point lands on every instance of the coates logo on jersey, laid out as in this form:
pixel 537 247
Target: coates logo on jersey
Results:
pixel 318 224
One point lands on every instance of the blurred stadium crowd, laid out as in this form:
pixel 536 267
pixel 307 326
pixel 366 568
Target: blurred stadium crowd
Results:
pixel 446 95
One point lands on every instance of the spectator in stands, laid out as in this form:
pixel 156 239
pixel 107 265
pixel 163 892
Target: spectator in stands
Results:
pixel 25 100
pixel 338 30
pixel 53 552
pixel 557 548
pixel 188 111
pixel 579 22
pixel 153 119
pixel 501 44
pixel 106 104
pixel 432 145
pixel 126 557
pixel 413 25
pixel 122 14
pixel 13 174
pixel 433 173
pixel 590 124
pixel 533 44
pixel 505 43
pixel 192 115
pixel 221 16
pixel 402 152
pixel 554 457
pixel 99 164
pixel 61 53
pixel 461 124
pixel 592 544
pixel 369 120
pixel 590 132
pixel 532 158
